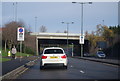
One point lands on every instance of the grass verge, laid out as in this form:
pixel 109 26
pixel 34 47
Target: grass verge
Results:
pixel 4 59
pixel 5 54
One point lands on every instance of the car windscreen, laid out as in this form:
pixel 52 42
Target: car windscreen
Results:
pixel 53 51
pixel 100 53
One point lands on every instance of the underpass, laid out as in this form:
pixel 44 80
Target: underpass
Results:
pixel 44 40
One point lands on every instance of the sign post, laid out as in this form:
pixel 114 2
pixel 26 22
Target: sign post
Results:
pixel 81 41
pixel 20 37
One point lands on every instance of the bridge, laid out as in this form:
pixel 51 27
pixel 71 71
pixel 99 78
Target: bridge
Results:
pixel 58 39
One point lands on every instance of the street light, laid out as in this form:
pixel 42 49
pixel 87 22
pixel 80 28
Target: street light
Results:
pixel 35 23
pixel 82 3
pixel 72 49
pixel 103 22
pixel 15 11
pixel 67 31
pixel 36 36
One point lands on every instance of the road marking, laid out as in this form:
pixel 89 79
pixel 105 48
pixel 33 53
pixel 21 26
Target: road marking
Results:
pixel 71 66
pixel 82 71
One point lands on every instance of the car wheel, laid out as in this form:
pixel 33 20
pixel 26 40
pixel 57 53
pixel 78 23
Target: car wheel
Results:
pixel 41 67
pixel 65 67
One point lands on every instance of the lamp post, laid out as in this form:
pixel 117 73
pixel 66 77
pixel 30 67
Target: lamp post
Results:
pixel 82 3
pixel 15 11
pixel 35 23
pixel 72 49
pixel 67 31
pixel 103 22
pixel 36 36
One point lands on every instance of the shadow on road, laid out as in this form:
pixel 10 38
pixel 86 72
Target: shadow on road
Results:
pixel 53 67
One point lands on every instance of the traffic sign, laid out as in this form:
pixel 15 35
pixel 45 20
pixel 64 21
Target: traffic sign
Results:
pixel 20 34
pixel 81 40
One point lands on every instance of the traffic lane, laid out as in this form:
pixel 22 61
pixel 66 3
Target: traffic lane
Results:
pixel 8 66
pixel 77 69
pixel 96 70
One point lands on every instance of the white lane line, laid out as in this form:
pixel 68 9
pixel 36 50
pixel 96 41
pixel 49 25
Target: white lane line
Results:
pixel 82 71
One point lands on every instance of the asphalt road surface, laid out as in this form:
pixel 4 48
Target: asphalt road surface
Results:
pixel 77 69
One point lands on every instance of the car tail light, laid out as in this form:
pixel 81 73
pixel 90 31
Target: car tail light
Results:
pixel 44 57
pixel 64 56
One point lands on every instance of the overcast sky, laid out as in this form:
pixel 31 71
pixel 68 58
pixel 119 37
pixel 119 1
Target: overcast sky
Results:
pixel 51 14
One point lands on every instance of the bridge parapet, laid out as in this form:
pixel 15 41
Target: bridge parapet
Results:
pixel 56 36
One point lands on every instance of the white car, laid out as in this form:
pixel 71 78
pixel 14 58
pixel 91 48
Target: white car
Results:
pixel 101 54
pixel 53 55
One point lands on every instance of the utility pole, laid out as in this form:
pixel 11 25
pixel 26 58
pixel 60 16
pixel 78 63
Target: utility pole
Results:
pixel 72 49
pixel 36 45
pixel 16 12
pixel 13 11
pixel 67 31
pixel 82 3
pixel 35 23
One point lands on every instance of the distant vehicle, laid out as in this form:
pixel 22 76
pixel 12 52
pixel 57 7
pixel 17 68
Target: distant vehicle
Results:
pixel 101 54
pixel 86 54
pixel 53 55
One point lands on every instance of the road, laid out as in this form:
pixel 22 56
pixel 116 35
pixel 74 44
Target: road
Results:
pixel 77 69
pixel 13 64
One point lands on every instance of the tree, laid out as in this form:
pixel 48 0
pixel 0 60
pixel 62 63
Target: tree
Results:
pixel 29 29
pixel 43 29
pixel 115 29
pixel 86 34
pixel 107 32
pixel 58 31
pixel 93 38
pixel 65 31
pixel 108 35
pixel 99 30
pixel 9 33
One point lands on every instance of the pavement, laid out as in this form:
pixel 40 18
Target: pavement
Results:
pixel 8 66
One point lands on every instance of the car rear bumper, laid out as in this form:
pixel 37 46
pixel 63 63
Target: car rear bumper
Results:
pixel 101 56
pixel 63 61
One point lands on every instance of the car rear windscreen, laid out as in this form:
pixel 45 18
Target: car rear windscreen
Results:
pixel 53 51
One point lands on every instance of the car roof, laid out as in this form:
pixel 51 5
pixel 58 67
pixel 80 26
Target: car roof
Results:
pixel 52 48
